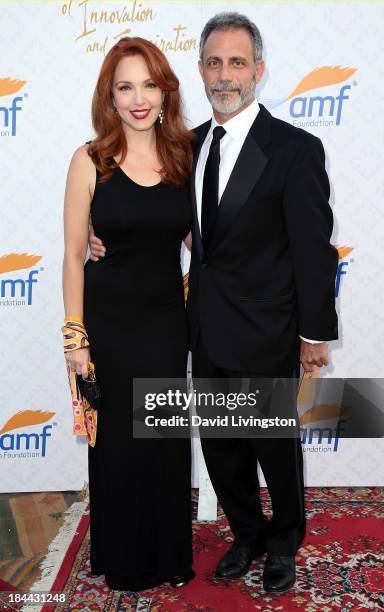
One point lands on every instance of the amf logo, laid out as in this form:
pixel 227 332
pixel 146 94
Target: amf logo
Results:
pixel 8 112
pixel 321 424
pixel 25 444
pixel 321 439
pixel 342 268
pixel 17 290
pixel 314 110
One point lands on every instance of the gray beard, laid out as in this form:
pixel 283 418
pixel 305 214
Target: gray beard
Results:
pixel 222 104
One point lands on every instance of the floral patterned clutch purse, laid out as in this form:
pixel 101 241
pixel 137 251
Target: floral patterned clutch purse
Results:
pixel 86 398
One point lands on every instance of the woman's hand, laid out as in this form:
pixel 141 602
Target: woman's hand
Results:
pixel 77 361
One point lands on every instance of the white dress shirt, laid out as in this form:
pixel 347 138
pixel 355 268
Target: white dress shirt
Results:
pixel 231 144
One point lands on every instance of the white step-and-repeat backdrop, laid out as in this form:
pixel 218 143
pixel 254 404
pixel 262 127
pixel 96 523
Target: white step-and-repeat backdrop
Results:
pixel 324 74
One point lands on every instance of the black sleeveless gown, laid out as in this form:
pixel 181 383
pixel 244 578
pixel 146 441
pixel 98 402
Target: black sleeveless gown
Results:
pixel 140 489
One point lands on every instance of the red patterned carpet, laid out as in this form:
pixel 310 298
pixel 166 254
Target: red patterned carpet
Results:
pixel 340 566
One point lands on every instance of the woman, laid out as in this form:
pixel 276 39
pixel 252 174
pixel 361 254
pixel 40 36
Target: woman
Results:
pixel 132 181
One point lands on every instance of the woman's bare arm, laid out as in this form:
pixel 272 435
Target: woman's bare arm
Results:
pixel 77 203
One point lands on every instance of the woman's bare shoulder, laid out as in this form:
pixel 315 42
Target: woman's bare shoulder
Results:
pixel 81 156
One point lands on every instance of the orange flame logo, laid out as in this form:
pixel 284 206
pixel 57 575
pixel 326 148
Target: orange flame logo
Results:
pixel 318 412
pixel 343 250
pixel 321 77
pixel 17 261
pixel 10 86
pixel 24 418
pixel 322 412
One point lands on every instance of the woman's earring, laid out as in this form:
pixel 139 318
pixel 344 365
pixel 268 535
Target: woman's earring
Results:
pixel 114 107
pixel 161 114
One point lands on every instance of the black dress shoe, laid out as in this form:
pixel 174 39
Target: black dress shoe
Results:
pixel 237 559
pixel 182 579
pixel 279 573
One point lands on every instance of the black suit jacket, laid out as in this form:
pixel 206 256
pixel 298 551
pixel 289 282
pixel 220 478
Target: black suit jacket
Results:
pixel 269 273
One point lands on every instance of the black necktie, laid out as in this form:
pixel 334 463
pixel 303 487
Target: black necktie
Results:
pixel 210 195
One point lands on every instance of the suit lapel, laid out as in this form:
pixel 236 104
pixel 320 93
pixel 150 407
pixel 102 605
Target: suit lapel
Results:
pixel 245 174
pixel 201 132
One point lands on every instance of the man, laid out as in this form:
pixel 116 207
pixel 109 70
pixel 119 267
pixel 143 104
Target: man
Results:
pixel 261 285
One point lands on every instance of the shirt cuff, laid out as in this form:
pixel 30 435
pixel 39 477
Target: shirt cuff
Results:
pixel 312 341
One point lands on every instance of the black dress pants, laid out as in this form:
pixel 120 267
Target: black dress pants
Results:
pixel 232 467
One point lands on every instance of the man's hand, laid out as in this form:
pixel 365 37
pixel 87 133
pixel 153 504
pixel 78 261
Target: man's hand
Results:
pixel 312 355
pixel 96 246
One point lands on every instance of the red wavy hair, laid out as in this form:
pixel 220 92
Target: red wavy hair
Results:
pixel 173 140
